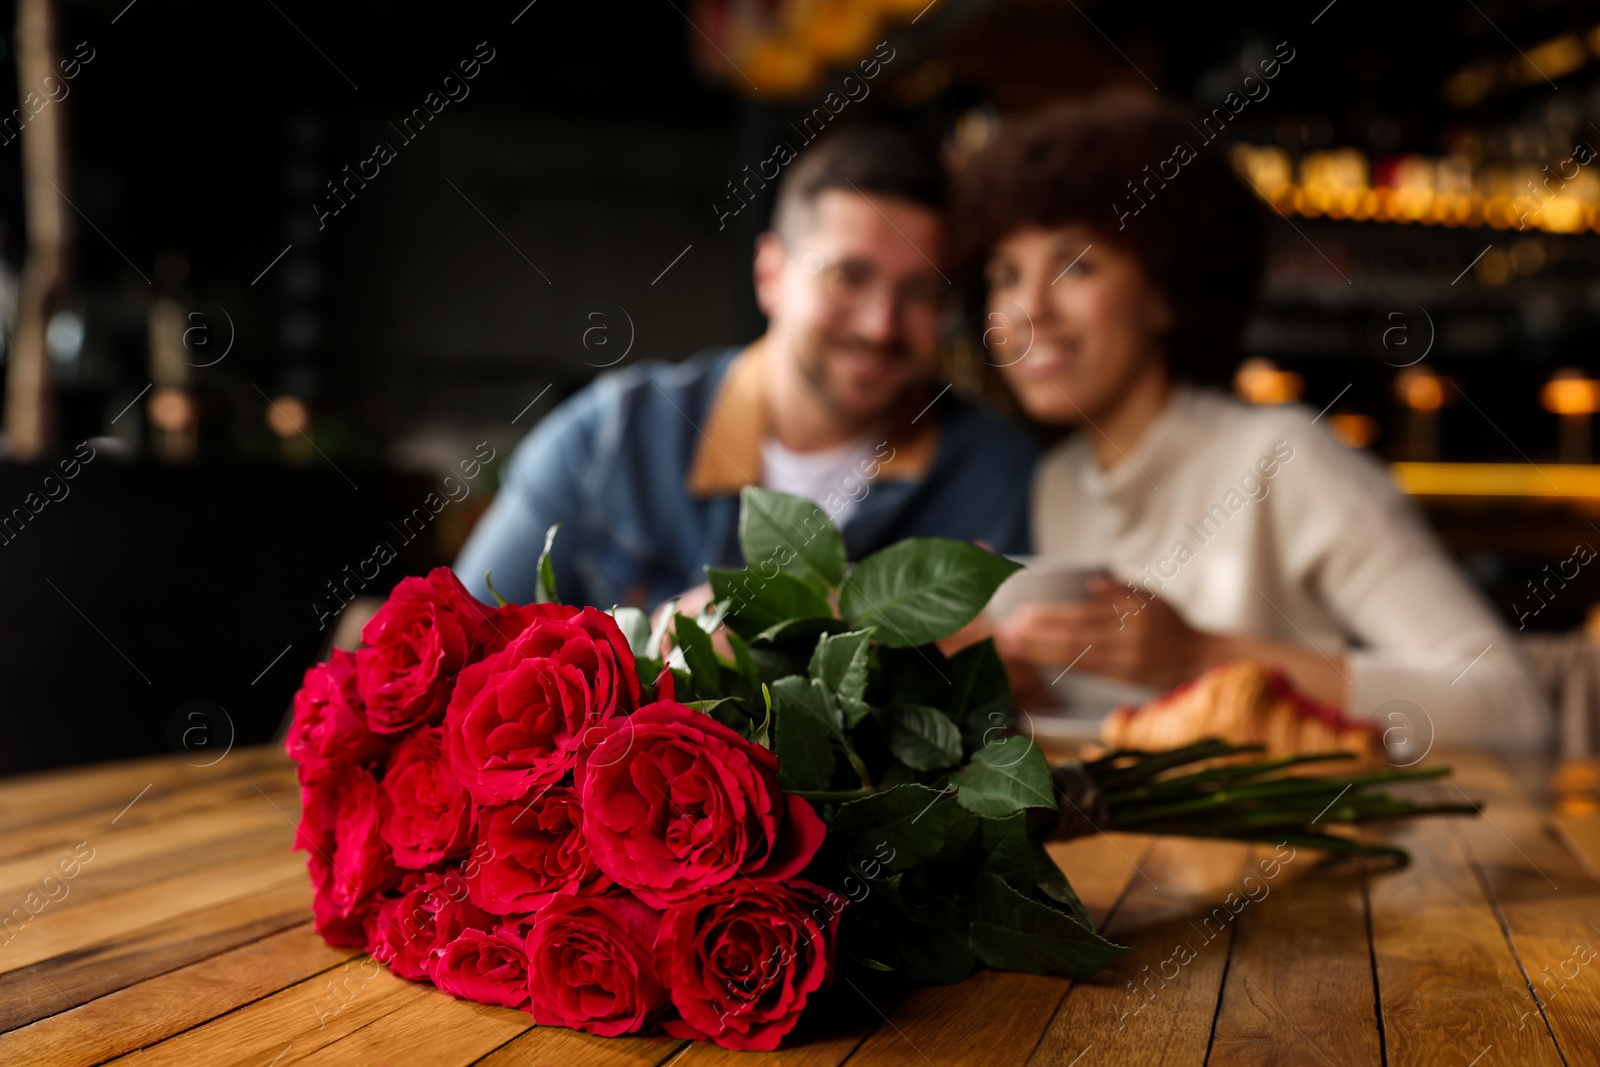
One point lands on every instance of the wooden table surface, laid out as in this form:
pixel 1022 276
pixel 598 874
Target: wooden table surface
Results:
pixel 183 936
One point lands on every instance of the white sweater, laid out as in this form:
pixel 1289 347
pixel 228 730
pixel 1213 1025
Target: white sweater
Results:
pixel 1257 520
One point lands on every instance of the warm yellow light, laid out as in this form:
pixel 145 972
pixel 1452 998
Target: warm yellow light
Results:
pixel 1528 256
pixel 1259 381
pixel 171 409
pixel 1357 431
pixel 1568 392
pixel 1420 390
pixel 1344 168
pixel 1559 481
pixel 779 66
pixel 1494 268
pixel 1552 59
pixel 838 30
pixel 1469 85
pixel 1267 169
pixel 288 416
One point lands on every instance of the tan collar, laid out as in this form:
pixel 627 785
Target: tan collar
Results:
pixel 729 455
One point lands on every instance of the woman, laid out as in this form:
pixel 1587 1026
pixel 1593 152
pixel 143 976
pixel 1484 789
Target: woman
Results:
pixel 1119 258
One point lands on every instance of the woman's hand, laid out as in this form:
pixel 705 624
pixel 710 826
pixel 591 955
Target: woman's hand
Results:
pixel 1121 634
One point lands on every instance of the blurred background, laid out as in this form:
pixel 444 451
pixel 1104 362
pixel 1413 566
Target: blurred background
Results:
pixel 270 271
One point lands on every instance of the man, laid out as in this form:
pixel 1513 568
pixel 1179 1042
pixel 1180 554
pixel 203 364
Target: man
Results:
pixel 836 402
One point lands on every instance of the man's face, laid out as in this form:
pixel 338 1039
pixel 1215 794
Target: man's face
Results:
pixel 855 299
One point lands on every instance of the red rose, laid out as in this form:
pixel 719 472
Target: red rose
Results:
pixel 455 910
pixel 409 931
pixel 345 928
pixel 329 730
pixel 591 967
pixel 742 959
pixel 499 626
pixel 403 933
pixel 538 851
pixel 675 803
pixel 489 967
pixel 520 716
pixel 426 813
pixel 419 640
pixel 349 859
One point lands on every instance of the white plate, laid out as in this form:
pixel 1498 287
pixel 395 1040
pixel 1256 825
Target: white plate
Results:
pixel 1046 726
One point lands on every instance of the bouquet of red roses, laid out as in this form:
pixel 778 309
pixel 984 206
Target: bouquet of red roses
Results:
pixel 525 806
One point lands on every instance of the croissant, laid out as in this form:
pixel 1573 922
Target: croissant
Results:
pixel 1245 703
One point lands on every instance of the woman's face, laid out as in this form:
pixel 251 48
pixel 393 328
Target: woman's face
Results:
pixel 1072 322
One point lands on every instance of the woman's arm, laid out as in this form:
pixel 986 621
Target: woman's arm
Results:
pixel 1147 642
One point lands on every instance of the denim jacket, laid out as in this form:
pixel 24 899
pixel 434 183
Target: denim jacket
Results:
pixel 642 468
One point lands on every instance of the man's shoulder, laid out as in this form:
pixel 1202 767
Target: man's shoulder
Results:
pixel 650 401
pixel 653 381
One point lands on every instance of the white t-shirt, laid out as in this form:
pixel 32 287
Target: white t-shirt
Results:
pixel 1257 520
pixel 833 478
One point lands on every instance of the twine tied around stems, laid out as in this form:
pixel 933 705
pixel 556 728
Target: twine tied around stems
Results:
pixel 1084 809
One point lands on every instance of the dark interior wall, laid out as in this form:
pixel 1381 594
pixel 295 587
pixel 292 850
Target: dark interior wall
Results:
pixel 145 593
pixel 594 240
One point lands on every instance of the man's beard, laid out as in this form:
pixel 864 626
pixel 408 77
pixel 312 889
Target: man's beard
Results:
pixel 814 367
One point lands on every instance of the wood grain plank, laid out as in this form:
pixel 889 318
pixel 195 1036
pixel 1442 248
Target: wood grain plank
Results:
pixel 1581 834
pixel 111 787
pixel 1448 981
pixel 436 1031
pixel 154 807
pixel 569 1048
pixel 53 933
pixel 1156 1004
pixel 1298 907
pixel 291 1024
pixel 1100 868
pixel 123 858
pixel 65 982
pixel 150 1011
pixel 1546 899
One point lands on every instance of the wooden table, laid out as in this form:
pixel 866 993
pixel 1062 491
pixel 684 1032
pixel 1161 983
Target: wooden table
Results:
pixel 183 937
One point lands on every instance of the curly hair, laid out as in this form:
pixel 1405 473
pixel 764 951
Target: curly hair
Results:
pixel 1141 175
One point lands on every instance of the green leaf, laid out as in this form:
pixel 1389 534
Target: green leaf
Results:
pixel 742 661
pixel 1013 932
pixel 663 618
pixel 758 603
pixel 792 534
pixel 803 729
pixel 1053 883
pixel 635 627
pixel 707 706
pixel 1005 850
pixel 898 827
pixel 840 663
pixel 545 589
pixel 958 838
pixel 869 964
pixel 936 948
pixel 649 670
pixel 701 658
pixel 488 581
pixel 729 711
pixel 922 738
pixel 775 662
pixel 762 735
pixel 984 687
pixel 921 589
pixel 795 629
pixel 1004 778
